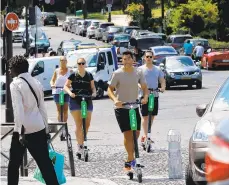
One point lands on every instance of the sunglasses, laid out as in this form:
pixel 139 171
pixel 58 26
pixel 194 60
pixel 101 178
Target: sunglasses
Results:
pixel 149 56
pixel 82 63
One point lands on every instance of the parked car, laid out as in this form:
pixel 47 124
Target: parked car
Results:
pixel 217 157
pixel 216 58
pixel 128 29
pixel 72 21
pixel 108 34
pixel 101 28
pixel 160 52
pixel 92 26
pixel 138 33
pixel 66 46
pixel 85 44
pixel 66 22
pixel 121 47
pixel 211 115
pixel 121 37
pixel 17 34
pixel 42 43
pixel 83 29
pixel 181 70
pixel 101 63
pixel 145 42
pixel 177 41
pixel 50 19
pixel 73 25
pixel 78 26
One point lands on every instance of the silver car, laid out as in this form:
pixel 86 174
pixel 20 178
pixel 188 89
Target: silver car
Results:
pixel 211 115
pixel 17 34
pixel 102 27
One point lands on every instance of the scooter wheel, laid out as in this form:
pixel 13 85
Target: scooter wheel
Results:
pixel 78 156
pixel 148 148
pixel 86 157
pixel 139 178
pixel 131 175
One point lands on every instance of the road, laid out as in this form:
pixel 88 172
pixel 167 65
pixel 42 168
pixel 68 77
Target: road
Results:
pixel 106 155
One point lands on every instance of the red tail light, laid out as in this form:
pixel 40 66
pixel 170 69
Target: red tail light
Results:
pixel 92 28
pixel 174 45
pixel 118 51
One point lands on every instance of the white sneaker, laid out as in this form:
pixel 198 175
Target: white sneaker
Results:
pixel 79 149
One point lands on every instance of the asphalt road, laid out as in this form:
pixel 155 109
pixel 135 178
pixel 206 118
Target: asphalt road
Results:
pixel 106 155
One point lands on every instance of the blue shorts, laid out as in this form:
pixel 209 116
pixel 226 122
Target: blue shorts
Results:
pixel 74 105
pixel 56 98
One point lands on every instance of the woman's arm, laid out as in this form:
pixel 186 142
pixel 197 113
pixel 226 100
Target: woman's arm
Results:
pixel 93 88
pixel 53 80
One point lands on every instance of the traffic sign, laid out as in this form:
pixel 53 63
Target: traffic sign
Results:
pixel 12 21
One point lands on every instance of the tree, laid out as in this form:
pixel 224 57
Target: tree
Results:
pixel 198 17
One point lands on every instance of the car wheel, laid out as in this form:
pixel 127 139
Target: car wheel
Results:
pixel 199 85
pixel 56 24
pixel 99 93
pixel 188 176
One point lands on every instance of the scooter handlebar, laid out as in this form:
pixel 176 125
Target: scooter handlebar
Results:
pixel 154 90
pixel 137 102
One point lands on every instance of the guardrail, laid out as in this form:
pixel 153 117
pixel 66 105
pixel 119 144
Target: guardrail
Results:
pixel 9 127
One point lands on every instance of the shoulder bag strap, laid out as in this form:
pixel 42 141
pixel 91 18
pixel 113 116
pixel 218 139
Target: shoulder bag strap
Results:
pixel 31 90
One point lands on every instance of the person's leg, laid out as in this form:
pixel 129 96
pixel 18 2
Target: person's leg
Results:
pixel 78 122
pixel 38 148
pixel 16 158
pixel 58 112
pixel 129 145
pixel 65 112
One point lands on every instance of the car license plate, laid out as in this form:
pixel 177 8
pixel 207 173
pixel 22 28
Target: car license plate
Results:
pixel 186 77
pixel 50 21
pixel 225 60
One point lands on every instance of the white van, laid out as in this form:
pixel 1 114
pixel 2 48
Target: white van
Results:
pixel 101 62
pixel 42 69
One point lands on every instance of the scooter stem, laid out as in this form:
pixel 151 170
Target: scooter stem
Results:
pixel 84 133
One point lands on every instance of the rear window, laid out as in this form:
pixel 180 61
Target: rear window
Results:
pixel 95 23
pixel 106 25
pixel 146 43
pixel 128 30
pixel 180 39
pixel 115 29
pixel 85 23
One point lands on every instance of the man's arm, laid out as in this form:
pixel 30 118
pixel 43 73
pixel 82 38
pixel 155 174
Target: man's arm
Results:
pixel 145 92
pixel 111 94
pixel 163 84
pixel 18 107
pixel 43 110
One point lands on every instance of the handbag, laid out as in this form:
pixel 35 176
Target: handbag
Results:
pixel 58 163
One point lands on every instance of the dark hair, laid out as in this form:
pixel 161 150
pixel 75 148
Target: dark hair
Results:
pixel 128 53
pixel 148 51
pixel 188 41
pixel 19 64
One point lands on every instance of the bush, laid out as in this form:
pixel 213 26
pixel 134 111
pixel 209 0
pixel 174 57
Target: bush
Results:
pixel 218 44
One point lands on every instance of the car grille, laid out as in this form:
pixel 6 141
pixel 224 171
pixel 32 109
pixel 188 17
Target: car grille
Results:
pixel 185 73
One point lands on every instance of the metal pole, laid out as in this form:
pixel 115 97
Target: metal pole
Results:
pixel 36 33
pixel 9 53
pixel 26 29
pixel 162 15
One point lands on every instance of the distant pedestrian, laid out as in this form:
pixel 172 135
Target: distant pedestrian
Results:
pixel 3 65
pixel 199 52
pixel 188 48
pixel 31 123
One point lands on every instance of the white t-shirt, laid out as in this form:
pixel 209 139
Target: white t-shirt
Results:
pixel 199 51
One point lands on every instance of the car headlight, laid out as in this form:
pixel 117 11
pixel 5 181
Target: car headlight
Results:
pixel 203 130
pixel 197 73
pixel 172 75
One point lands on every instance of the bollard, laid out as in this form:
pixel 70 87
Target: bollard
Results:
pixel 175 159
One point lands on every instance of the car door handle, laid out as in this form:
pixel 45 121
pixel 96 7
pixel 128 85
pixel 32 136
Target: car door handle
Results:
pixel 44 78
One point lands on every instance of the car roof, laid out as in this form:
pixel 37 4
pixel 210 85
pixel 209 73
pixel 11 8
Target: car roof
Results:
pixel 31 60
pixel 180 56
pixel 88 49
pixel 154 47
pixel 117 34
pixel 198 39
pixel 185 35
pixel 148 36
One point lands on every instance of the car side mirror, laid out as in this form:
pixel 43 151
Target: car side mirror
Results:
pixel 100 66
pixel 35 72
pixel 162 65
pixel 49 38
pixel 200 109
pixel 197 63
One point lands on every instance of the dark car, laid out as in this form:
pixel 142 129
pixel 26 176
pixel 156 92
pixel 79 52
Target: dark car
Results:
pixel 108 34
pixel 211 115
pixel 145 42
pixel 177 41
pixel 128 29
pixel 50 19
pixel 181 70
pixel 160 52
pixel 66 46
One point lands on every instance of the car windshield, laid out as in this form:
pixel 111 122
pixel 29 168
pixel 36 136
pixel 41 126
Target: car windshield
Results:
pixel 128 30
pixel 95 24
pixel 181 39
pixel 70 44
pixel 121 37
pixel 203 42
pixel 159 51
pixel 43 37
pixel 115 29
pixel 90 57
pixel 146 43
pixel 221 102
pixel 175 63
pixel 106 25
pixel 124 44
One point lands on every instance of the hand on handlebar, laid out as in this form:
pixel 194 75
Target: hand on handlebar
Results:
pixel 93 94
pixel 73 95
pixel 144 101
pixel 53 86
pixel 118 103
pixel 162 90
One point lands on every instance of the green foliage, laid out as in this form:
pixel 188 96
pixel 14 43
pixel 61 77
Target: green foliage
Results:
pixel 135 10
pixel 218 44
pixel 194 17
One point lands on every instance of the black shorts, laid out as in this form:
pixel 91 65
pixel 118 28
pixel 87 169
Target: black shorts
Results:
pixel 122 116
pixel 144 108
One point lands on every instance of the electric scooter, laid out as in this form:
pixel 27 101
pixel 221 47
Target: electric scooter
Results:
pixel 133 125
pixel 152 95
pixel 67 136
pixel 84 116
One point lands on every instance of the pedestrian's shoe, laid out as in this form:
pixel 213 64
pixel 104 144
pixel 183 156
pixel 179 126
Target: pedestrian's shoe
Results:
pixel 63 137
pixel 79 151
pixel 128 166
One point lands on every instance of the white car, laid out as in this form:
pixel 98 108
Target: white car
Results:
pixel 92 26
pixel 66 22
pixel 18 33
